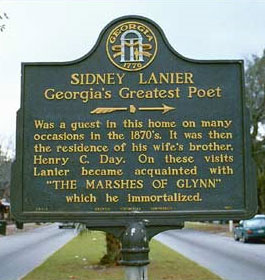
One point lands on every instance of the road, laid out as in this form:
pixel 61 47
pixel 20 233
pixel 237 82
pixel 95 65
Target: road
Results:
pixel 22 252
pixel 222 255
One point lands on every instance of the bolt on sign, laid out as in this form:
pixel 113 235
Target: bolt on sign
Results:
pixel 133 130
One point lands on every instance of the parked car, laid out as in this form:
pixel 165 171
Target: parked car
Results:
pixel 250 229
pixel 66 225
pixel 260 216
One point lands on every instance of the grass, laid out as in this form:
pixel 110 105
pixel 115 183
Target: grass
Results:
pixel 78 260
pixel 209 227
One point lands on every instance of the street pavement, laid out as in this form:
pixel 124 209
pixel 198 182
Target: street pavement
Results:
pixel 22 252
pixel 222 255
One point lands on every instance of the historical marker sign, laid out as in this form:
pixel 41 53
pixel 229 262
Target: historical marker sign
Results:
pixel 133 130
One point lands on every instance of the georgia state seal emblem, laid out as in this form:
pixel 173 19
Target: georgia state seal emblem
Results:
pixel 131 46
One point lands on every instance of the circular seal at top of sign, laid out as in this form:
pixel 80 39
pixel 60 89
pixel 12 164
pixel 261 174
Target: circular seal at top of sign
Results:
pixel 131 46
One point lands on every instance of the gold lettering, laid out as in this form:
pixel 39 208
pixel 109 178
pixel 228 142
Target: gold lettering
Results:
pixel 50 172
pixel 39 159
pixel 166 78
pixel 216 123
pixel 75 198
pixel 75 79
pixel 101 172
pixel 212 146
pixel 127 93
pixel 97 78
pixel 197 183
pixel 201 93
pixel 168 171
pixel 114 184
pixel 175 197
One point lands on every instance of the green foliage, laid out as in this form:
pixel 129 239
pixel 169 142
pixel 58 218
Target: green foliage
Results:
pixel 255 95
pixel 5 167
pixel 5 173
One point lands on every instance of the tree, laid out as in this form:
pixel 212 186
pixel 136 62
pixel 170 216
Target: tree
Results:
pixel 113 246
pixel 255 97
pixel 6 159
pixel 5 173
pixel 3 18
pixel 113 253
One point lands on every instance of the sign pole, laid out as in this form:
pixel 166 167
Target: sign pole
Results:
pixel 136 273
pixel 135 250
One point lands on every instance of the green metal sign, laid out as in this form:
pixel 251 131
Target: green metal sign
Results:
pixel 133 130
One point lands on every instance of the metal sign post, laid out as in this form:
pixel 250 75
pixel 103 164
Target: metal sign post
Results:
pixel 135 250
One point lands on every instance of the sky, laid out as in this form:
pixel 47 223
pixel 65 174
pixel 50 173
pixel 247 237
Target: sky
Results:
pixel 60 30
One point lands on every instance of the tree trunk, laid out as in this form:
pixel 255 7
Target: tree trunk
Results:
pixel 113 250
